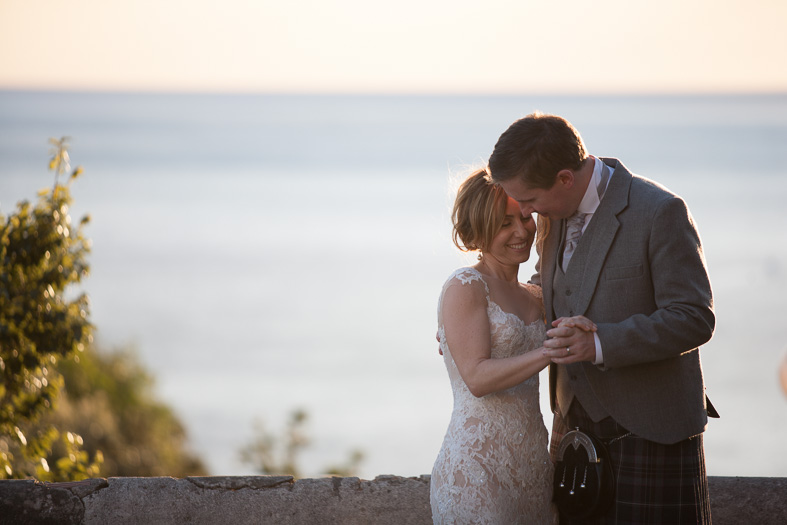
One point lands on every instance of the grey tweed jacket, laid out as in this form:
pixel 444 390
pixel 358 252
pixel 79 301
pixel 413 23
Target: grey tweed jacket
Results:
pixel 645 284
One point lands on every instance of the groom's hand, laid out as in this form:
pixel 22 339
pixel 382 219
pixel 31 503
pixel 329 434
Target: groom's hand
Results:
pixel 569 344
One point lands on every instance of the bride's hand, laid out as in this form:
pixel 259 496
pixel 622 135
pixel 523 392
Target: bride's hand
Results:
pixel 578 321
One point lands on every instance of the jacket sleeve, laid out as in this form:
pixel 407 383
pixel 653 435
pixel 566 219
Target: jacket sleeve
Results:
pixel 680 316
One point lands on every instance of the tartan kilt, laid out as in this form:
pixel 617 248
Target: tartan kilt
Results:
pixel 654 483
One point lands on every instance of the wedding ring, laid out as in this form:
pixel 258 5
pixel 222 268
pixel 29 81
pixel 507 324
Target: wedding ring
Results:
pixel 568 350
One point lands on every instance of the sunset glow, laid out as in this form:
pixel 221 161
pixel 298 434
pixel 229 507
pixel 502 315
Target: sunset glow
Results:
pixel 357 46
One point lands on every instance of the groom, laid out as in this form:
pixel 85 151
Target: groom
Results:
pixel 624 252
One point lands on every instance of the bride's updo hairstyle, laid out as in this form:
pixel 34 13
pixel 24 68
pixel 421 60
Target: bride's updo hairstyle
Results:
pixel 478 213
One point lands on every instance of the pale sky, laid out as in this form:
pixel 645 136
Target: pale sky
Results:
pixel 401 46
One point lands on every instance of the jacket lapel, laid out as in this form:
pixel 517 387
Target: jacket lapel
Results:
pixel 605 225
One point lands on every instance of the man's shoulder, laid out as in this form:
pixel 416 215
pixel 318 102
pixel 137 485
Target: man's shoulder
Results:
pixel 633 188
pixel 650 188
pixel 638 182
pixel 641 186
pixel 652 202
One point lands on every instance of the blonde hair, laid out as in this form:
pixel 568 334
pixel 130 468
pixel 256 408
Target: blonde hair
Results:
pixel 479 210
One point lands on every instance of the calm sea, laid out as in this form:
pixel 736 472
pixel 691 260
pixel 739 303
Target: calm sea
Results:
pixel 269 253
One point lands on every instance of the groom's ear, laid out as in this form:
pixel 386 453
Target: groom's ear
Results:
pixel 565 178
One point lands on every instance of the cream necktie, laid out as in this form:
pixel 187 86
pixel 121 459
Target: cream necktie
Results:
pixel 573 233
pixel 577 221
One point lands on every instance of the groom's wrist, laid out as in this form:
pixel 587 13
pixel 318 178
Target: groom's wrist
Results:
pixel 599 354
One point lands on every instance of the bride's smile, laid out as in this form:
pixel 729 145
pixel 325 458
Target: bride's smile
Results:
pixel 511 245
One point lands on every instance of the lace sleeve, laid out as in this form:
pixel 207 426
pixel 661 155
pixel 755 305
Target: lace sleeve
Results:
pixel 461 277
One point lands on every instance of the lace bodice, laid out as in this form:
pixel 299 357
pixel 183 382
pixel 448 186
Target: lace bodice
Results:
pixel 493 466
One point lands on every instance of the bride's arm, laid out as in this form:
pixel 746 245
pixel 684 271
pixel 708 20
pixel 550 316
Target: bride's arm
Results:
pixel 469 340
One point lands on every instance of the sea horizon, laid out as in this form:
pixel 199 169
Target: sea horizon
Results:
pixel 265 253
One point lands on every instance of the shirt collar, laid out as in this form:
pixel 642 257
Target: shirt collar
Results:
pixel 591 199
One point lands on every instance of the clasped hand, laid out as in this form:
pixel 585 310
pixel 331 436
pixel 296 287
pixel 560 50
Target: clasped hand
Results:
pixel 571 340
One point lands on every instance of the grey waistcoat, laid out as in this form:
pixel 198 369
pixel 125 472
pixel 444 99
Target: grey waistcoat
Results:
pixel 571 379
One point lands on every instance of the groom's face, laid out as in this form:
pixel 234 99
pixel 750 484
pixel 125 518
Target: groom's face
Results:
pixel 553 202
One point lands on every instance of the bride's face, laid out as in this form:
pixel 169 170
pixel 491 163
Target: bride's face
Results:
pixel 512 243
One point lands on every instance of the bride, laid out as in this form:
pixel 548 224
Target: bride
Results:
pixel 493 467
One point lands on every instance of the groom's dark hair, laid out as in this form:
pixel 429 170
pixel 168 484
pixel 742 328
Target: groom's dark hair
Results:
pixel 535 148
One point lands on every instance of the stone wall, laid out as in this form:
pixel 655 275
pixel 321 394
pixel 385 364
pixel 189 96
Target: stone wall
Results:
pixel 387 500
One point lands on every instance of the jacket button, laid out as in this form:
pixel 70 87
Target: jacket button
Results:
pixel 573 378
pixel 568 292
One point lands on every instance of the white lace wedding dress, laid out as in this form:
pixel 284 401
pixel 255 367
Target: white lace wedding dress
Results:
pixel 494 467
